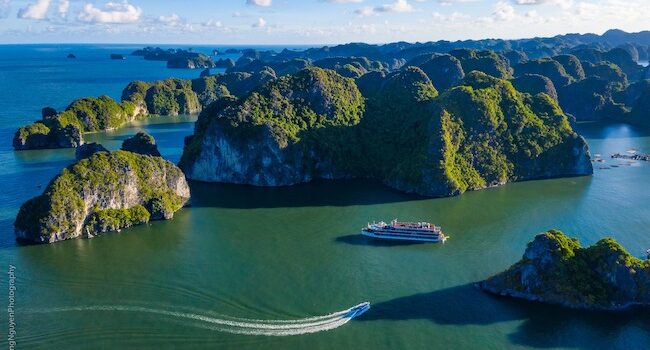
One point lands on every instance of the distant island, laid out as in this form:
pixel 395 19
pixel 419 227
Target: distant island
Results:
pixel 176 58
pixel 591 77
pixel 555 269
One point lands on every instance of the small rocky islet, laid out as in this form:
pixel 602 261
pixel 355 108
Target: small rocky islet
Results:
pixel 104 191
pixel 555 269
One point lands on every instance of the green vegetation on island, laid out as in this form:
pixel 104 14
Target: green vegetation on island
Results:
pixel 488 62
pixel 65 129
pixel 163 97
pixel 590 82
pixel 314 124
pixel 47 133
pixel 94 114
pixel 556 269
pixel 101 193
pixel 141 143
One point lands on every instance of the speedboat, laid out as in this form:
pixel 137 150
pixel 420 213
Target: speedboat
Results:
pixel 358 310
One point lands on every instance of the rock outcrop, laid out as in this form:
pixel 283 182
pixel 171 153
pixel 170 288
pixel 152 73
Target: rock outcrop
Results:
pixel 262 139
pixel 191 61
pixel 176 58
pixel 315 124
pixel 91 114
pixel 33 136
pixel 535 84
pixel 224 63
pixel 555 269
pixel 590 99
pixel 102 193
pixel 279 67
pixel 141 143
pixel 572 66
pixel 88 149
pixel 65 129
pixel 445 71
pixel 638 95
pixel 163 97
pixel 546 67
pixel 47 134
pixel 488 62
pixel 350 67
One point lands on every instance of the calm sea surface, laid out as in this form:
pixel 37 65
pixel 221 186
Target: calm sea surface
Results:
pixel 293 253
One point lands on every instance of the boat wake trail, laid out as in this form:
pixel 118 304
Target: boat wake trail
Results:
pixel 239 325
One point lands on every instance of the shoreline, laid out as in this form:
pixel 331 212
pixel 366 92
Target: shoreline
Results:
pixel 510 293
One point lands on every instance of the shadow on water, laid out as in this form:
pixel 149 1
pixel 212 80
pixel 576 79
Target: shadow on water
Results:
pixel 367 241
pixel 315 193
pixel 605 130
pixel 543 325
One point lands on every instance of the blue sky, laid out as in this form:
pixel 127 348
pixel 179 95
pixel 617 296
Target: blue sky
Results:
pixel 308 21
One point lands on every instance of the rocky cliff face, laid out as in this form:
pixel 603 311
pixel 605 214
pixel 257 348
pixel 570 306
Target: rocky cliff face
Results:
pixel 485 133
pixel 105 192
pixel 556 270
pixel 191 62
pixel 267 139
pixel 88 149
pixel 445 71
pixel 535 84
pixel 315 124
pixel 260 160
pixel 546 67
pixel 141 143
pixel 65 129
pixel 44 135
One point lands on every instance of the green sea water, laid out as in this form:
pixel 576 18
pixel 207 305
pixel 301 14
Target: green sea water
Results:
pixel 294 252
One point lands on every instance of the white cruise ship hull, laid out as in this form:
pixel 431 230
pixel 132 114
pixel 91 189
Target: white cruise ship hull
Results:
pixel 402 236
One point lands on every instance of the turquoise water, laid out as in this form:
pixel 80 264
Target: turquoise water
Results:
pixel 292 253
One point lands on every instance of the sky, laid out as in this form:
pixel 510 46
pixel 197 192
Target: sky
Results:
pixel 308 22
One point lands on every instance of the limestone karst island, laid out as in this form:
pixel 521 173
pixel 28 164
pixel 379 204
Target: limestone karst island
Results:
pixel 325 174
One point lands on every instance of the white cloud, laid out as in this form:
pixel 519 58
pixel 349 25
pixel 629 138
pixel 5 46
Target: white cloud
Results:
pixel 172 20
pixel 397 6
pixel 64 6
pixel 453 17
pixel 261 23
pixel 503 11
pixel 451 2
pixel 263 3
pixel 212 23
pixel 564 4
pixel 111 13
pixel 343 1
pixel 36 10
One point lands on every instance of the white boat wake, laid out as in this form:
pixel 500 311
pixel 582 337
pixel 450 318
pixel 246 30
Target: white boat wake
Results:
pixel 240 325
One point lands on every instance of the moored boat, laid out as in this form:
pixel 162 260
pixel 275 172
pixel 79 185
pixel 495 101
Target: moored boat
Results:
pixel 405 231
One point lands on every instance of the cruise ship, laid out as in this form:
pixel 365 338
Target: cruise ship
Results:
pixel 405 231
